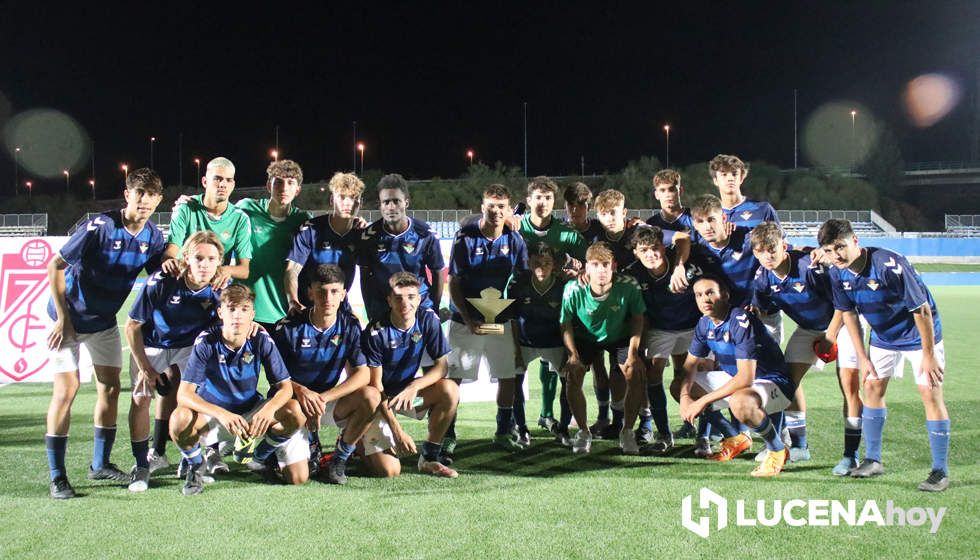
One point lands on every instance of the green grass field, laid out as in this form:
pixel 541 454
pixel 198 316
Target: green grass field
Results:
pixel 542 503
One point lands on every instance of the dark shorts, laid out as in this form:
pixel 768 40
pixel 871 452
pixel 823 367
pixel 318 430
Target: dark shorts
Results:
pixel 588 351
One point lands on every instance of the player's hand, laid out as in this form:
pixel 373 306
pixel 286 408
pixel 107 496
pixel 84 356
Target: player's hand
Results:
pixel 310 402
pixel 235 424
pixel 573 264
pixel 678 279
pixel 256 328
pixel 445 314
pixel 930 367
pixel 731 227
pixel 583 278
pixel 690 409
pixel 359 222
pixel 62 331
pixel 181 200
pixel 514 222
pixel 404 401
pixel 171 267
pixel 867 369
pixel 824 345
pixel 312 423
pixel 574 367
pixel 150 377
pixel 519 364
pixel 474 326
pixel 404 444
pixel 262 421
pixel 295 308
pixel 632 222
pixel 633 366
pixel 221 278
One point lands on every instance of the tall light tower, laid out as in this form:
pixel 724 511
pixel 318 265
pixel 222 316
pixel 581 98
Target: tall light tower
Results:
pixel 853 144
pixel 667 152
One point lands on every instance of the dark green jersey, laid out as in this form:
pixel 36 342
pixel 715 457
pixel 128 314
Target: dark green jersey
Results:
pixel 606 319
pixel 558 235
pixel 232 227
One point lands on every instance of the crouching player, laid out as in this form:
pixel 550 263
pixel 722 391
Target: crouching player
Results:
pixel 219 391
pixel 882 286
pixel 166 317
pixel 753 381
pixel 606 314
pixel 394 348
pixel 316 347
pixel 790 281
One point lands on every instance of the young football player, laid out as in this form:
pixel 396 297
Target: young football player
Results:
pixel 164 321
pixel 753 381
pixel 606 314
pixel 90 278
pixel 882 286
pixel 395 347
pixel 728 173
pixel 219 392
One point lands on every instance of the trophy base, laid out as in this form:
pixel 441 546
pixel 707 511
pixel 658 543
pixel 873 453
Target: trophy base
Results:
pixel 491 328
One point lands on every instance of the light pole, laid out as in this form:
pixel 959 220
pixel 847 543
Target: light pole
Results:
pixel 91 183
pixel 853 147
pixel 469 154
pixel 667 155
pixel 125 170
pixel 275 155
pixel 153 140
pixel 360 148
pixel 16 168
pixel 277 138
pixel 197 165
pixel 29 185
pixel 67 179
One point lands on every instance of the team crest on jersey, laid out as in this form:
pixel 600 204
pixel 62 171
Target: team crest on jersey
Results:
pixel 615 308
pixel 221 358
pixel 737 255
pixel 304 343
pixel 478 251
pixel 247 357
pixel 725 337
pixel 206 304
pixel 409 247
pixel 381 247
pixel 553 304
pixel 799 287
pixel 225 235
pixel 847 285
pixel 257 229
pixel 711 335
pixel 335 340
pixel 325 246
pixel 174 300
pixel 873 284
pixel 504 250
pixel 746 215
pixel 774 288
pixel 144 246
pixel 416 336
pixel 527 301
pixel 116 245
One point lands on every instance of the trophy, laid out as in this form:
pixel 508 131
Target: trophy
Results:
pixel 490 304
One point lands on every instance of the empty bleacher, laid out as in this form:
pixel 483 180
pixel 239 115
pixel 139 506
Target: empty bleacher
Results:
pixel 23 225
pixel 963 224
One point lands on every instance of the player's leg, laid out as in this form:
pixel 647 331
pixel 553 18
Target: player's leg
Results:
pixel 141 395
pixel 565 419
pixel 355 412
pixel 165 406
pixel 796 415
pixel 617 399
pixel 186 429
pixel 663 440
pixel 285 443
pixel 849 381
pixel 58 421
pixel 105 350
pixel 757 406
pixel 440 400
pixel 600 387
pixel 937 422
pixel 549 389
pixel 733 442
pixel 498 355
pixel 886 363
pixel 687 430
pixel 635 398
pixel 519 417
pixel 464 365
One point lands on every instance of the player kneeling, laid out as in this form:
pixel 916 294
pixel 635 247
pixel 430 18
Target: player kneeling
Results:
pixel 316 347
pixel 753 383
pixel 219 391
pixel 395 348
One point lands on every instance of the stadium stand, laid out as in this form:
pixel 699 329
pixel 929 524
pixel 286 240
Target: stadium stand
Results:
pixel 161 219
pixel 963 224
pixel 23 225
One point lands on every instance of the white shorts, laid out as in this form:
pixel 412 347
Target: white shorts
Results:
pixel 474 355
pixel 799 349
pixel 773 399
pixel 664 344
pixel 774 324
pixel 160 359
pixel 377 438
pixel 104 348
pixel 296 449
pixel 554 357
pixel 891 363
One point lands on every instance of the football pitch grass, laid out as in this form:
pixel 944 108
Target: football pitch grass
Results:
pixel 541 503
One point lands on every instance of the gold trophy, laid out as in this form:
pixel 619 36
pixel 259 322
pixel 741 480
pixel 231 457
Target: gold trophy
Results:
pixel 490 304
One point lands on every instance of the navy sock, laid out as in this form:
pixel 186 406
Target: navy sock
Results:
pixel 193 455
pixel 313 437
pixel 504 417
pixel 658 406
pixel 720 423
pixel 938 443
pixel 704 426
pixel 873 424
pixel 161 435
pixel 520 418
pixel 618 414
pixel 268 446
pixel 770 434
pixel 344 450
pixel 140 449
pixel 796 423
pixel 852 436
pixel 602 397
pixel 56 446
pixel 430 451
pixel 451 430
pixel 565 410
pixel 102 446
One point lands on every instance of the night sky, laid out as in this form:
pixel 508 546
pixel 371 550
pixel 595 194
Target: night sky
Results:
pixel 427 81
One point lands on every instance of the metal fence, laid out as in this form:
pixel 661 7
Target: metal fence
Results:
pixel 12 225
pixel 963 223
pixel 161 219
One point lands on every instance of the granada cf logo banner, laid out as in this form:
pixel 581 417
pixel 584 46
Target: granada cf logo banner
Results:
pixel 24 322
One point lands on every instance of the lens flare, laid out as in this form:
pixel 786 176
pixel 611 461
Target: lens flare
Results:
pixel 930 97
pixel 50 142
